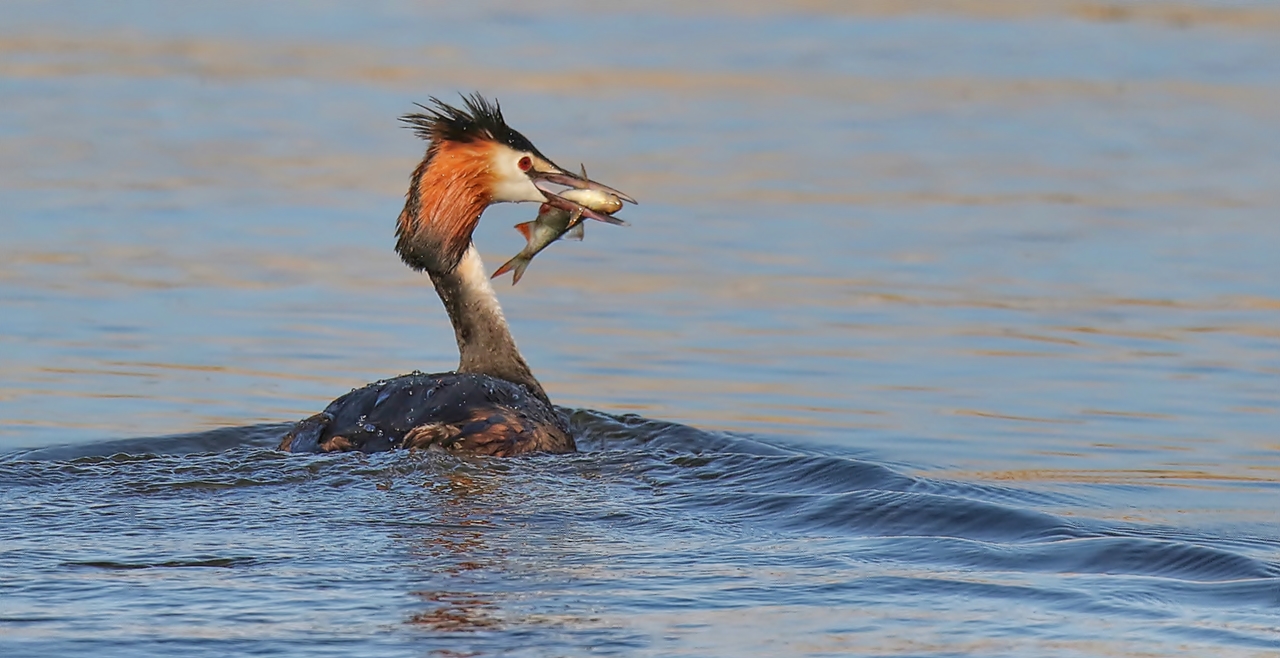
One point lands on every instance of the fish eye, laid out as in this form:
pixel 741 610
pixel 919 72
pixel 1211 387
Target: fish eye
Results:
pixel 525 163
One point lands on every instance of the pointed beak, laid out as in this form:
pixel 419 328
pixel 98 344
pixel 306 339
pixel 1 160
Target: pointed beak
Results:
pixel 558 176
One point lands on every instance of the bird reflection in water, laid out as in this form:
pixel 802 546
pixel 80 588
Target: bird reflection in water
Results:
pixel 455 548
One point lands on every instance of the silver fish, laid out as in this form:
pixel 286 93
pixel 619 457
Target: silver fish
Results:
pixel 553 223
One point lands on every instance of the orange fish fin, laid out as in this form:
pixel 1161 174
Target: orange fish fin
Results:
pixel 517 264
pixel 526 229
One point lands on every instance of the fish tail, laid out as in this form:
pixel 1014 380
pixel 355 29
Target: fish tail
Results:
pixel 519 271
pixel 518 264
pixel 506 267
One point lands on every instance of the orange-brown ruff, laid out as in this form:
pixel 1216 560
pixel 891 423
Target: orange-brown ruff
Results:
pixel 450 189
pixel 492 405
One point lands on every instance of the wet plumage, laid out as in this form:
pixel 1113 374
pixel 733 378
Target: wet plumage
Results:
pixel 457 412
pixel 492 404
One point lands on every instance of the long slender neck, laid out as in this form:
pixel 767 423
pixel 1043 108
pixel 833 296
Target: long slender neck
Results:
pixel 484 339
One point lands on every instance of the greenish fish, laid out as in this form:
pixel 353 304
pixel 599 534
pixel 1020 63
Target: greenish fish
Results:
pixel 553 223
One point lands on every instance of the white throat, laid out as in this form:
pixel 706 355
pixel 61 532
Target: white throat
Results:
pixel 479 292
pixel 485 345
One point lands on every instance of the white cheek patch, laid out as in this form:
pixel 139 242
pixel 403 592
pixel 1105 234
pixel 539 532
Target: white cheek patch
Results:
pixel 510 184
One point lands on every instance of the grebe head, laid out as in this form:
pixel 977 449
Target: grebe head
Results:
pixel 474 160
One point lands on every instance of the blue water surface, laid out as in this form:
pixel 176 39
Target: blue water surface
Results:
pixel 942 329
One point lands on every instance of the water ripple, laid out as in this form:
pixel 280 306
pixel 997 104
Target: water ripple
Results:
pixel 682 518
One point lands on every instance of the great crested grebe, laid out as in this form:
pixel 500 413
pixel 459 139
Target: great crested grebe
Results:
pixel 492 405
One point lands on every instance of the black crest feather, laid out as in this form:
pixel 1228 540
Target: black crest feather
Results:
pixel 478 119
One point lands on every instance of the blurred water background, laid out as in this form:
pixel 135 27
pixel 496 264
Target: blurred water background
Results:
pixel 973 305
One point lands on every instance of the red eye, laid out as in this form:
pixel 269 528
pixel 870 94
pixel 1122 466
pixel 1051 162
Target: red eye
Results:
pixel 525 163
